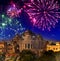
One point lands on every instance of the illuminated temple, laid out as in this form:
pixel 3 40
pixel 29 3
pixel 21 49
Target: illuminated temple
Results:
pixel 28 41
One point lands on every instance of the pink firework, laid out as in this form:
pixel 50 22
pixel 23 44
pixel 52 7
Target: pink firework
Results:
pixel 13 11
pixel 43 13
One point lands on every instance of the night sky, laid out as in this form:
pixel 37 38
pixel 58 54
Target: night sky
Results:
pixel 54 34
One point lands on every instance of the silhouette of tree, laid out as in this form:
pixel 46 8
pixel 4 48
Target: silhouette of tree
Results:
pixel 27 55
pixel 48 56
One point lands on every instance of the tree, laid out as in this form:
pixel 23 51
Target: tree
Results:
pixel 27 55
pixel 48 56
pixel 2 57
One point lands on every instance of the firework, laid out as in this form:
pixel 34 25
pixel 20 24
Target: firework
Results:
pixel 13 11
pixel 9 27
pixel 4 21
pixel 43 13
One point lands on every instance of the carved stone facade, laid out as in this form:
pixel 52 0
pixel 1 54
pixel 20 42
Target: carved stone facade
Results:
pixel 2 47
pixel 26 41
pixel 29 41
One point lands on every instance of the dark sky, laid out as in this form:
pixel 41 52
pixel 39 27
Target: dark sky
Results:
pixel 54 34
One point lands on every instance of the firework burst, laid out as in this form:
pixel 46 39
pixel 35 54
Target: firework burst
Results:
pixel 10 27
pixel 13 11
pixel 43 13
pixel 4 21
